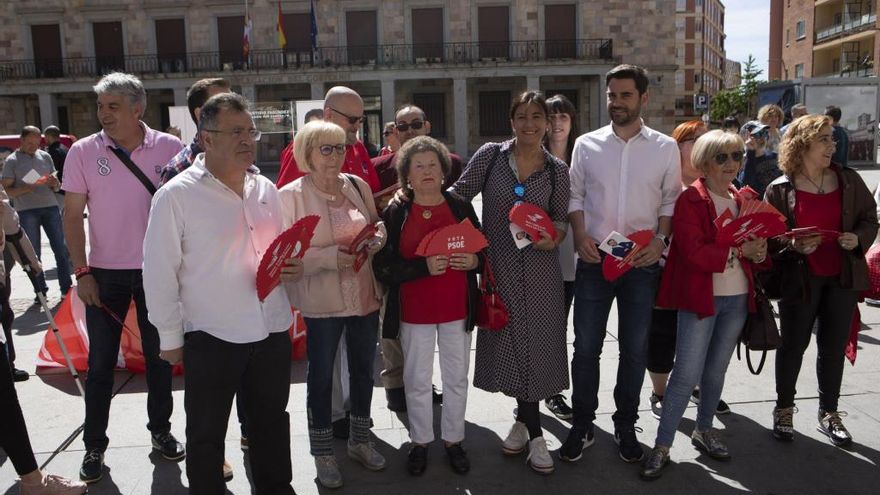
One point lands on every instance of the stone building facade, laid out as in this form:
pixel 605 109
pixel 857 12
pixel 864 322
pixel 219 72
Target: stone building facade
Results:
pixel 463 59
pixel 700 53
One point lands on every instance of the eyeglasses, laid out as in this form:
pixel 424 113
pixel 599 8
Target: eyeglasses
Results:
pixel 403 126
pixel 327 149
pixel 240 134
pixel 519 190
pixel 351 120
pixel 721 158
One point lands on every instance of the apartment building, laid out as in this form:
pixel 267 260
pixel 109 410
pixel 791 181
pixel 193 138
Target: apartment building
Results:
pixel 699 52
pixel 462 61
pixel 826 38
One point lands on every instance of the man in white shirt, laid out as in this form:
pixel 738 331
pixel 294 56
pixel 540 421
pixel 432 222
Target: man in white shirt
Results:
pixel 208 230
pixel 625 177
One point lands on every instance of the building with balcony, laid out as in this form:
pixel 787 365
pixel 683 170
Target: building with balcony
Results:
pixel 828 38
pixel 462 61
pixel 699 52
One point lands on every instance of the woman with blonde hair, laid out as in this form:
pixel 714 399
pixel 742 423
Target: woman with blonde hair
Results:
pixel 821 276
pixel 711 285
pixel 772 116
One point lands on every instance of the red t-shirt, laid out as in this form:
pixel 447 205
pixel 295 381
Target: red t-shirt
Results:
pixel 435 298
pixel 357 162
pixel 823 211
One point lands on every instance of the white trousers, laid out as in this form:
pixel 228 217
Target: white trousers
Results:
pixel 339 402
pixel 418 368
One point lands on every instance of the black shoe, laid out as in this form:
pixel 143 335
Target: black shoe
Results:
pixel 436 394
pixel 783 423
pixel 831 425
pixel 556 404
pixel 628 445
pixel 168 446
pixel 37 297
pixel 722 408
pixel 655 464
pixel 656 405
pixel 20 375
pixel 341 428
pixel 92 469
pixel 458 458
pixel 578 440
pixel 396 399
pixel 417 460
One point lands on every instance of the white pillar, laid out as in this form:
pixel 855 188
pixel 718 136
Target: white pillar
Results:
pixel 460 114
pixel 48 109
pixel 388 101
pixel 599 114
pixel 180 97
pixel 533 82
pixel 317 91
pixel 249 91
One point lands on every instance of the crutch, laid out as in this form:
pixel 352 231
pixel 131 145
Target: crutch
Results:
pixel 15 242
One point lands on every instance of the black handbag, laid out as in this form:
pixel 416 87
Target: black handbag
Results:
pixel 760 332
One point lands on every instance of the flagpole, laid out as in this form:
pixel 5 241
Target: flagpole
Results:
pixel 247 23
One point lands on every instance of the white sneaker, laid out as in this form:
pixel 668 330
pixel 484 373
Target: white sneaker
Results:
pixel 366 455
pixel 516 440
pixel 539 457
pixel 328 471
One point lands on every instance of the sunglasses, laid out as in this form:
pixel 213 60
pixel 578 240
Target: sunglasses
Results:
pixel 721 158
pixel 327 149
pixel 351 120
pixel 403 126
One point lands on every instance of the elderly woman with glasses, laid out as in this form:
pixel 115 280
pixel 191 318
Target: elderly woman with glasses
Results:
pixel 712 287
pixel 821 275
pixel 335 296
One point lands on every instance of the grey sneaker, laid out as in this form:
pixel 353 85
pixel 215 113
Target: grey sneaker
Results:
pixel 328 471
pixel 539 457
pixel 783 423
pixel 366 455
pixel 710 442
pixel 830 424
pixel 654 465
pixel 516 440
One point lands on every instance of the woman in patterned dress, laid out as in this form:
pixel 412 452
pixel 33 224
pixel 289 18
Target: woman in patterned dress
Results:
pixel 527 359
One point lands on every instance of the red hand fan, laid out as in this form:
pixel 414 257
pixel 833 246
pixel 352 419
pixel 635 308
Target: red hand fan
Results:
pixel 613 268
pixel 459 238
pixel 292 243
pixel 533 220
pixel 740 230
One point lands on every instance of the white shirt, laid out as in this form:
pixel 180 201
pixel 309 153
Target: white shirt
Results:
pixel 732 281
pixel 201 252
pixel 624 186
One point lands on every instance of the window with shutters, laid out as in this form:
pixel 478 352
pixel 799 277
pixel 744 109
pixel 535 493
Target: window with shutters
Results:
pixel 46 42
pixel 230 36
pixel 109 51
pixel 494 31
pixel 361 36
pixel 297 30
pixel 494 118
pixel 171 45
pixel 434 106
pixel 427 34
pixel 560 30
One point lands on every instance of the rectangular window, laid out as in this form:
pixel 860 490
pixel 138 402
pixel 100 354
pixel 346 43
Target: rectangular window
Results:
pixel 799 71
pixel 427 33
pixel 297 30
pixel 109 51
pixel 230 35
pixel 434 106
pixel 680 5
pixel 46 41
pixel 801 30
pixel 560 30
pixel 689 54
pixel 171 45
pixel 362 36
pixel 494 31
pixel 494 120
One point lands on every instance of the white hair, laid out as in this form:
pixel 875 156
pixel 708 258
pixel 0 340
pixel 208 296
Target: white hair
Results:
pixel 120 83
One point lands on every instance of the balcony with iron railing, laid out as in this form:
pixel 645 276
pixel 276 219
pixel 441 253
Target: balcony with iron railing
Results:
pixel 367 57
pixel 851 26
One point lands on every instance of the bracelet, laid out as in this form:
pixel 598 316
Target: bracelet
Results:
pixel 82 271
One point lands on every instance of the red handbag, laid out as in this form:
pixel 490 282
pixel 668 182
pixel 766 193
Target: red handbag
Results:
pixel 492 313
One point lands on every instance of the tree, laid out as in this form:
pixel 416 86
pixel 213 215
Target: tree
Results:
pixel 739 101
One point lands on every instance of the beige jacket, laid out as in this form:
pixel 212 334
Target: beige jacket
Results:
pixel 319 293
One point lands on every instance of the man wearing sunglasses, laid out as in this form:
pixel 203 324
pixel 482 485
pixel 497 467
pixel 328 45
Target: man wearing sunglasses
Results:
pixel 345 108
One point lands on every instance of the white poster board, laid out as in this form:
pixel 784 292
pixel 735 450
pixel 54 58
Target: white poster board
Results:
pixel 179 117
pixel 303 107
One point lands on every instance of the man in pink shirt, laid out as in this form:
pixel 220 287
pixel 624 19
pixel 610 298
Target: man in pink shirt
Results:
pixel 118 196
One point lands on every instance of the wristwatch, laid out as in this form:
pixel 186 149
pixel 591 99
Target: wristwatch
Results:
pixel 664 238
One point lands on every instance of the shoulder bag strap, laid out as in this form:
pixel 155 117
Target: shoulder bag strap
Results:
pixel 355 184
pixel 141 176
pixel 492 159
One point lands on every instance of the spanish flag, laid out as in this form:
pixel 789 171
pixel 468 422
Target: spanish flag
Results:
pixel 279 29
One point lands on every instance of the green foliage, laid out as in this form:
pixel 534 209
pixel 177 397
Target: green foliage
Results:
pixel 739 101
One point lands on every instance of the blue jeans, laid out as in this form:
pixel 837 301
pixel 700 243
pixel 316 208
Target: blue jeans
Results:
pixel 50 219
pixel 117 288
pixel 635 292
pixel 702 353
pixel 322 340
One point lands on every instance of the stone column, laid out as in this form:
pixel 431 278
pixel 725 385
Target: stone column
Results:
pixel 249 91
pixel 317 91
pixel 460 116
pixel 388 101
pixel 180 96
pixel 533 82
pixel 48 110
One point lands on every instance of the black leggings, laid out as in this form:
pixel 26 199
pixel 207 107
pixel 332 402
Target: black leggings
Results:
pixel 661 340
pixel 6 314
pixel 13 431
pixel 527 412
pixel 833 307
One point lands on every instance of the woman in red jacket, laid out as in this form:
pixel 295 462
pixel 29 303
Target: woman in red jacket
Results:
pixel 711 286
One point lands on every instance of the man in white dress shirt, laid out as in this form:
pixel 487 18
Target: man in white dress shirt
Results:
pixel 625 177
pixel 208 230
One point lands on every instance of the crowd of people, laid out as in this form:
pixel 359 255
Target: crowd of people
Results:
pixel 181 230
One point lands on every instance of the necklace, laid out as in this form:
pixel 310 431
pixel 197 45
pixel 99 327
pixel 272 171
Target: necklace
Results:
pixel 819 188
pixel 327 196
